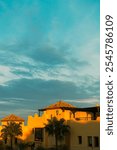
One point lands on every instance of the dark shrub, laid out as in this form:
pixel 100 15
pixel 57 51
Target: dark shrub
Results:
pixel 40 148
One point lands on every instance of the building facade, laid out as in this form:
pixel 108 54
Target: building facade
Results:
pixel 84 126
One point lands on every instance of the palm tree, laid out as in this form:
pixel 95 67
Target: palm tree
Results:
pixel 57 128
pixel 11 131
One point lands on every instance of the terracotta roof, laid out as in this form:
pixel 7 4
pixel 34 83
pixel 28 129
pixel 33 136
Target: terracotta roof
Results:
pixel 59 104
pixel 12 117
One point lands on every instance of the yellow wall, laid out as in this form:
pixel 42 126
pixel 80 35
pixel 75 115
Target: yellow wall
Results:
pixel 81 125
pixel 84 129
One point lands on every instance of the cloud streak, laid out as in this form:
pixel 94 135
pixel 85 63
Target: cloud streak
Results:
pixel 46 56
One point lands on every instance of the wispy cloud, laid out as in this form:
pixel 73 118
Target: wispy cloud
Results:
pixel 85 102
pixel 46 56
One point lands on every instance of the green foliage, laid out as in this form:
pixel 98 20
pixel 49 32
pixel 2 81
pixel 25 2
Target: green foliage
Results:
pixel 1 145
pixel 57 128
pixel 63 147
pixel 10 131
pixel 7 147
pixel 60 147
pixel 23 145
pixel 31 144
pixel 40 148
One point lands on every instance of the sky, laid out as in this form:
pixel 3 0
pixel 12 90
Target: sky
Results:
pixel 49 51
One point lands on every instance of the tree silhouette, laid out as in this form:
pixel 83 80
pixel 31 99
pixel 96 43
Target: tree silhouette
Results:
pixel 11 131
pixel 57 128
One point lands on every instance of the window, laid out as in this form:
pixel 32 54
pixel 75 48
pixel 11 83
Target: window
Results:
pixel 96 141
pixel 79 139
pixel 38 134
pixel 89 140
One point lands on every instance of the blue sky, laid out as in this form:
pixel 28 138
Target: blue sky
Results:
pixel 49 51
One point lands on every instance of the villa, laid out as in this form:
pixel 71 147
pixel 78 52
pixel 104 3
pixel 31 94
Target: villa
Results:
pixel 84 126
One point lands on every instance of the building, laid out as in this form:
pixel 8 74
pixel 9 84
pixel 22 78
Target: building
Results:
pixel 84 126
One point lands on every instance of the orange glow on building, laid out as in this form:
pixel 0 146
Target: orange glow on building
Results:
pixel 84 126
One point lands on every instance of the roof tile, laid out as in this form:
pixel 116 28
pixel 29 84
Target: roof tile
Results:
pixel 60 104
pixel 12 117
